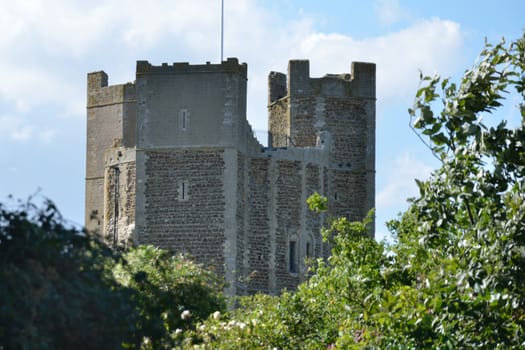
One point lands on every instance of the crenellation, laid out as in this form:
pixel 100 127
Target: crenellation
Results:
pixel 298 77
pixel 100 94
pixel 96 80
pixel 277 88
pixel 364 79
pixel 231 65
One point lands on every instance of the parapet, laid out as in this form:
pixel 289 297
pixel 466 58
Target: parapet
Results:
pixel 276 86
pixel 96 80
pixel 364 78
pixel 99 93
pixel 360 82
pixel 299 77
pixel 231 65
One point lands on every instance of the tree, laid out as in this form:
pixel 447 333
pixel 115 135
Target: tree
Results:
pixel 60 288
pixel 462 241
pixel 55 292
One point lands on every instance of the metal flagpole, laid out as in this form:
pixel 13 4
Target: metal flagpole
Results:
pixel 222 29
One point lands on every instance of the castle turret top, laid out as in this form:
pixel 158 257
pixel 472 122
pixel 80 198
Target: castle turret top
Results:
pixel 359 83
pixel 231 65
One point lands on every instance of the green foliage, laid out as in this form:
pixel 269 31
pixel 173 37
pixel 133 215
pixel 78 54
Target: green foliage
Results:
pixel 172 293
pixel 62 289
pixel 55 292
pixel 318 312
pixel 317 203
pixel 462 242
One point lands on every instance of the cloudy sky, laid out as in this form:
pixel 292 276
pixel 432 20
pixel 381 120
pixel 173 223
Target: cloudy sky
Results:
pixel 48 46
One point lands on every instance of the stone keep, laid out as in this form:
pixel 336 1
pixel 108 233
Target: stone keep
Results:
pixel 172 161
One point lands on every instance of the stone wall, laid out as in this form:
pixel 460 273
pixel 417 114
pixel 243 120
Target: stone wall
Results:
pixel 303 124
pixel 288 221
pixel 185 204
pixel 314 221
pixel 348 122
pixel 278 215
pixel 184 105
pixel 335 113
pixel 242 225
pixel 279 123
pixel 259 243
pixel 119 208
pixel 110 115
pixel 349 172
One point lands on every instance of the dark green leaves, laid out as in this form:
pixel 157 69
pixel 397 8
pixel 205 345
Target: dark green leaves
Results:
pixel 62 289
pixel 54 288
pixel 465 232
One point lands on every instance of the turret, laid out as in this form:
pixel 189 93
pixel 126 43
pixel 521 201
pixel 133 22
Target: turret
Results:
pixel 191 105
pixel 337 113
pixel 110 119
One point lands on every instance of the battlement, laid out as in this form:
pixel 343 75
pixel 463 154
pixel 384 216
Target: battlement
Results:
pixel 99 93
pixel 231 65
pixel 97 80
pixel 206 104
pixel 277 87
pixel 359 83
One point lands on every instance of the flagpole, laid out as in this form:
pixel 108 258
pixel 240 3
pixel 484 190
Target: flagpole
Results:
pixel 222 29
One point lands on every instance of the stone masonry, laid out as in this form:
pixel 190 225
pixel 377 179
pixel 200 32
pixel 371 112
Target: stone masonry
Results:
pixel 173 162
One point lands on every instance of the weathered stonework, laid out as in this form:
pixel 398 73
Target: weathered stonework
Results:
pixel 172 161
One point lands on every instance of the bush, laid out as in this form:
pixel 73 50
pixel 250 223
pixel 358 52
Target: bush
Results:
pixel 60 288
pixel 55 292
pixel 172 293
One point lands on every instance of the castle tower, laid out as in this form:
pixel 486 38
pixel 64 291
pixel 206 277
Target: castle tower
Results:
pixel 111 115
pixel 335 112
pixel 191 129
pixel 172 161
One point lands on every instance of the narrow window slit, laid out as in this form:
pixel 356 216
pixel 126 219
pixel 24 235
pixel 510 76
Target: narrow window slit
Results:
pixel 183 119
pixel 292 254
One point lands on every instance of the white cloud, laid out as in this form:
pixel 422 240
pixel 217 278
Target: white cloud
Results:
pixel 22 134
pixel 430 45
pixel 14 128
pixel 390 12
pixel 398 178
pixel 30 86
pixel 45 39
pixel 40 36
pixel 53 25
pixel 47 135
pixel 196 26
pixel 400 181
pixel 18 128
pixel 10 24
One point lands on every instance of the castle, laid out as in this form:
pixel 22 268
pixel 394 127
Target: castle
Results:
pixel 172 161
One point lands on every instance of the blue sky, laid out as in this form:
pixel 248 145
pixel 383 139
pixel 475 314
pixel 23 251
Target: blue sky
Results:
pixel 48 46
